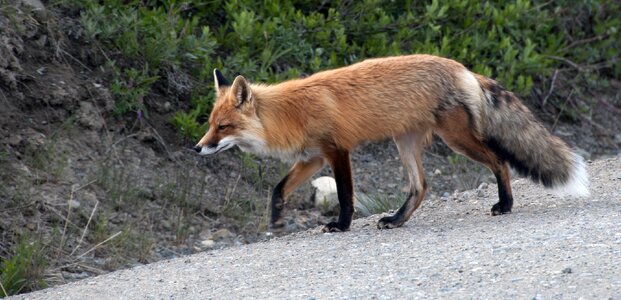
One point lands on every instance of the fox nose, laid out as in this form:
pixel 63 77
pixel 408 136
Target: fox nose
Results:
pixel 198 148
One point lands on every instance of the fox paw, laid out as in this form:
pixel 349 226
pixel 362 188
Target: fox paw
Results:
pixel 499 209
pixel 335 227
pixel 277 226
pixel 389 222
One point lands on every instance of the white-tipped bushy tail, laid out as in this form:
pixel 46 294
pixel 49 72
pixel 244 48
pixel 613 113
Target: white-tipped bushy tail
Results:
pixel 513 133
pixel 578 182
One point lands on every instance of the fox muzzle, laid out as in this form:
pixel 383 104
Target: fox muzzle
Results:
pixel 213 148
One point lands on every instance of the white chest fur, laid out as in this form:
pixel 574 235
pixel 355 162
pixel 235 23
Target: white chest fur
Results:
pixel 258 146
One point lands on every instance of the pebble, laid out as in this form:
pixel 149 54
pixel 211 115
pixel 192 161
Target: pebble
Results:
pixel 15 140
pixel 221 234
pixel 73 203
pixel 75 276
pixel 89 117
pixel 208 244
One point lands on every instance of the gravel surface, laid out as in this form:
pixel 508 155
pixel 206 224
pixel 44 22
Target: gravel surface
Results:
pixel 548 248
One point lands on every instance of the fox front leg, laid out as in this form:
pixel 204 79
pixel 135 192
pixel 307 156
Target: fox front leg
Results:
pixel 299 173
pixel 341 166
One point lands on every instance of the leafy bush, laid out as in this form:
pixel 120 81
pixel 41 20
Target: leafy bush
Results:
pixel 521 43
pixel 130 87
pixel 187 122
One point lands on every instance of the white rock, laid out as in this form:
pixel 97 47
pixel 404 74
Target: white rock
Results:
pixel 208 244
pixel 34 4
pixel 73 203
pixel 326 197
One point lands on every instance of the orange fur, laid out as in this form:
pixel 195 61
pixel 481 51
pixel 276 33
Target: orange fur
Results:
pixel 371 100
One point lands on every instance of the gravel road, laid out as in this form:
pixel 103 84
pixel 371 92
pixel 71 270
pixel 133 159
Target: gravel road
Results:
pixel 548 248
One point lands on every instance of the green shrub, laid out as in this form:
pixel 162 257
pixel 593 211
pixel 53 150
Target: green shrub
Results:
pixel 186 122
pixel 521 43
pixel 23 271
pixel 129 87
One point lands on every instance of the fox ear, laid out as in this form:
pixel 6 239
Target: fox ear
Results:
pixel 219 79
pixel 241 90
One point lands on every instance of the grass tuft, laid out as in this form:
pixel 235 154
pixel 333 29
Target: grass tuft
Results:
pixel 24 270
pixel 371 205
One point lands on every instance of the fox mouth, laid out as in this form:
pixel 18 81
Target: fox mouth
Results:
pixel 207 150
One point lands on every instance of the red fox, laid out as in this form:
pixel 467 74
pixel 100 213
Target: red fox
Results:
pixel 321 118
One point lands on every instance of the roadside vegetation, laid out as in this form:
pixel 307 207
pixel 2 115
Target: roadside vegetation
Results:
pixel 543 50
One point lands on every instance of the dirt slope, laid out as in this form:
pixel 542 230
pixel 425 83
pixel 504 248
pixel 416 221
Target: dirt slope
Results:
pixel 548 248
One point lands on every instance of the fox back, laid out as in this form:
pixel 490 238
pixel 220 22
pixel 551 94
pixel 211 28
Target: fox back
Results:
pixel 371 100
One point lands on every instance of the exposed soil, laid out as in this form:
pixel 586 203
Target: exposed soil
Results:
pixel 104 192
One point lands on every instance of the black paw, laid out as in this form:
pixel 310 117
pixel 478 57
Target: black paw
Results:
pixel 278 225
pixel 390 222
pixel 335 227
pixel 499 209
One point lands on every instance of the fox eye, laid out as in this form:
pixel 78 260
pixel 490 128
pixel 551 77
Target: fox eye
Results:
pixel 223 126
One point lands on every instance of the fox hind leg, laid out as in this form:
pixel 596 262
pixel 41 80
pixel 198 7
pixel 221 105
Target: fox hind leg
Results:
pixel 505 203
pixel 411 147
pixel 455 131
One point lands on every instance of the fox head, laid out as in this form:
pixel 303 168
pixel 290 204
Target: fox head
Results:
pixel 233 120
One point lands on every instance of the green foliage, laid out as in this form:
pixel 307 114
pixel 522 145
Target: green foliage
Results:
pixel 23 271
pixel 520 42
pixel 187 123
pixel 129 87
pixel 150 37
